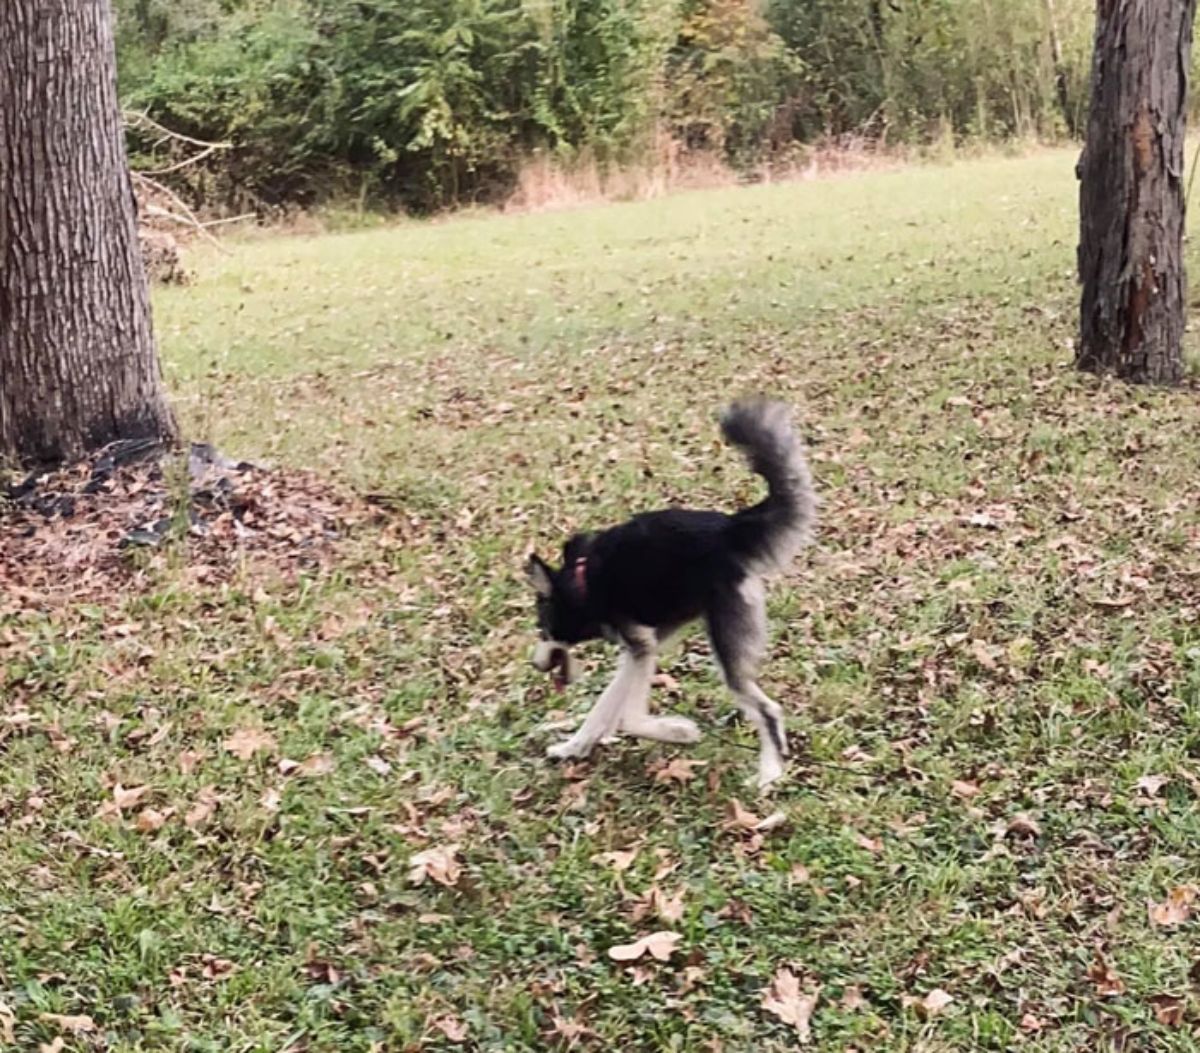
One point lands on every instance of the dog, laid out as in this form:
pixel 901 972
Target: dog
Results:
pixel 638 583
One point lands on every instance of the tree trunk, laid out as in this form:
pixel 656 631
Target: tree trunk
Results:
pixel 1131 200
pixel 78 365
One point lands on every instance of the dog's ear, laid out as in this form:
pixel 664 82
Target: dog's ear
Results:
pixel 539 575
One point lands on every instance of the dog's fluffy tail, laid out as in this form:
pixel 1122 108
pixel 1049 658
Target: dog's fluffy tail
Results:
pixel 771 532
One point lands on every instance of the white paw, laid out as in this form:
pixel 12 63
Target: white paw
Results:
pixel 569 748
pixel 675 729
pixel 770 770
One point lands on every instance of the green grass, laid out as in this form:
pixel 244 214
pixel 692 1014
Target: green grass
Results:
pixel 1004 594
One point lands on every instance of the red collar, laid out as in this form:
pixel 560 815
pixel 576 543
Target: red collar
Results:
pixel 581 576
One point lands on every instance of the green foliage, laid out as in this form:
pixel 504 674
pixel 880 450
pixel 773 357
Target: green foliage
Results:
pixel 428 103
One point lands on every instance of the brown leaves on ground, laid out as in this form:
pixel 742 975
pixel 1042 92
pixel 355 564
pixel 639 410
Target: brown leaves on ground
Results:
pixel 1104 977
pixel 75 1025
pixel 1176 908
pixel 658 945
pixel 677 769
pixel 64 535
pixel 658 904
pixel 746 821
pixel 246 742
pixel 439 864
pixel 786 999
pixel 203 807
pixel 316 765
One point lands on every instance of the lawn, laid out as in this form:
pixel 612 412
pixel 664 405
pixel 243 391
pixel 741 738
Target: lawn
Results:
pixel 990 658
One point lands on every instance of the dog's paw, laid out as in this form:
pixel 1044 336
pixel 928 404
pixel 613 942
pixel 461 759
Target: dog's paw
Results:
pixel 770 771
pixel 675 729
pixel 569 749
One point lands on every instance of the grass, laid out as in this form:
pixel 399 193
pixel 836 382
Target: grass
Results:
pixel 991 659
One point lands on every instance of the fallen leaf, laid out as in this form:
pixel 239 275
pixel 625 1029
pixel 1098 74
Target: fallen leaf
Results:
pixel 8 1022
pixel 1029 1022
pixel 246 742
pixel 619 861
pixel 57 1046
pixel 189 760
pixel 77 1025
pixel 203 808
pixel 799 874
pixel 150 820
pixel 270 799
pixel 871 844
pixel 127 798
pixel 1176 908
pixel 656 902
pixel 964 789
pixel 1022 825
pixel 678 769
pixel 740 818
pixel 1151 784
pixel 852 999
pixel 568 1029
pixel 378 765
pixel 785 999
pixel 659 945
pixel 1168 1010
pixel 454 1029
pixel 1108 984
pixel 935 1001
pixel 317 764
pixel 439 864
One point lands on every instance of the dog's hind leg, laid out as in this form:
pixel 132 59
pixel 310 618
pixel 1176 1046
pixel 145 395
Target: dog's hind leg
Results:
pixel 737 628
pixel 629 688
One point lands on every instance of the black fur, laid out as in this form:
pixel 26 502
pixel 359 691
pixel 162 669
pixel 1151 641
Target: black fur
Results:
pixel 638 582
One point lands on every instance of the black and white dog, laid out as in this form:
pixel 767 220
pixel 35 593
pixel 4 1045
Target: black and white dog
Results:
pixel 637 583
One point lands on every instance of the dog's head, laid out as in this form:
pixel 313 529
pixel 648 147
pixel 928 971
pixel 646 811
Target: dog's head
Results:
pixel 563 612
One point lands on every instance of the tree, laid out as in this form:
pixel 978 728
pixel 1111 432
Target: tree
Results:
pixel 1131 199
pixel 78 364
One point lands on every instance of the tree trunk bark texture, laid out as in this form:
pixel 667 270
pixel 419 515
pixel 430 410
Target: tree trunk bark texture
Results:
pixel 1131 201
pixel 78 363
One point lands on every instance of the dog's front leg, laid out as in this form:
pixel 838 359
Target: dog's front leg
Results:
pixel 631 683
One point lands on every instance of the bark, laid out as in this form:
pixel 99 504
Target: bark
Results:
pixel 1131 198
pixel 78 363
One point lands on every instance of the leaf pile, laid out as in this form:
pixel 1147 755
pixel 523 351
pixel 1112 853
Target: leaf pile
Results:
pixel 106 521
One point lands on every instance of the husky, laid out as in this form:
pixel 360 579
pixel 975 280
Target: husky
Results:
pixel 638 583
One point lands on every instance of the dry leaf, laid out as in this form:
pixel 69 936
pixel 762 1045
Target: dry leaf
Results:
pixel 1151 784
pixel 799 874
pixel 189 760
pixel 453 1028
pixel 439 864
pixel 1029 1022
pixel 57 1046
pixel 659 945
pixel 935 1001
pixel 76 1025
pixel 871 844
pixel 852 999
pixel 202 810
pixel 964 789
pixel 8 1022
pixel 1168 1010
pixel 739 818
pixel 789 1003
pixel 378 765
pixel 619 861
pixel 568 1029
pixel 678 769
pixel 1022 825
pixel 270 799
pixel 150 820
pixel 1108 984
pixel 246 742
pixel 1176 908
pixel 317 764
